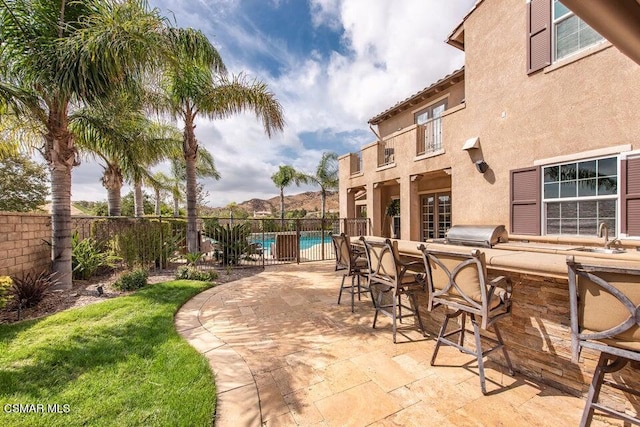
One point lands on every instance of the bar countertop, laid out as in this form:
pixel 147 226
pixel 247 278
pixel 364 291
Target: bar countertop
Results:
pixel 541 259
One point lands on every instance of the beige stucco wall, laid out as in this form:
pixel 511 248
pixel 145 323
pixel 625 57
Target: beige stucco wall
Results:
pixel 590 101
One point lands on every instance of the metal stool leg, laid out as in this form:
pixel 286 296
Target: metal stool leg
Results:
pixel 443 330
pixel 476 333
pixel 341 288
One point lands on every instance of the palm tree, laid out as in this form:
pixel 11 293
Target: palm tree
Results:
pixel 196 85
pixel 204 168
pixel 124 140
pixel 326 176
pixel 286 176
pixel 59 54
pixel 160 182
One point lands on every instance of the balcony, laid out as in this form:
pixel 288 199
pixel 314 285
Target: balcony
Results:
pixel 429 136
pixel 355 163
pixel 386 152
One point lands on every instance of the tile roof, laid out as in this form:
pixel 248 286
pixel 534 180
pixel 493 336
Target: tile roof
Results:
pixel 411 100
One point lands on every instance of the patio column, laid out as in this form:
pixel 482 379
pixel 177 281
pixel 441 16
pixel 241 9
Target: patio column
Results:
pixel 375 210
pixel 409 207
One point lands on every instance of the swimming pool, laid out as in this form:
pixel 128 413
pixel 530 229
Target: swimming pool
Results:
pixel 306 241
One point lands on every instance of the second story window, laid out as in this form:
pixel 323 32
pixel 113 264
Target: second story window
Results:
pixel 430 128
pixel 570 33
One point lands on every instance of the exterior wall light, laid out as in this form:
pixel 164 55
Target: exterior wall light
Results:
pixel 482 166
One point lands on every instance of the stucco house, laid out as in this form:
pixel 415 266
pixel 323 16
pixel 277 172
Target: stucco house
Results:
pixel 538 131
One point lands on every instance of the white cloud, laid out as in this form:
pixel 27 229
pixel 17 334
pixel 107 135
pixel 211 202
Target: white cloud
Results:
pixel 391 49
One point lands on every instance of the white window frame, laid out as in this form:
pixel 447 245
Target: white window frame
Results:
pixel 554 26
pixel 616 197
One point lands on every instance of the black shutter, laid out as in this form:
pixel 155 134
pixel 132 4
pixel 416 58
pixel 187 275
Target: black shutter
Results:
pixel 630 196
pixel 525 201
pixel 538 35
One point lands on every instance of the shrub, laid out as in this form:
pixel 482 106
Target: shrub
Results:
pixel 87 257
pixel 140 241
pixel 5 290
pixel 233 241
pixel 193 257
pixel 192 273
pixel 30 289
pixel 132 280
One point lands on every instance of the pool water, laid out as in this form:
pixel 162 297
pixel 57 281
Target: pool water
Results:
pixel 306 242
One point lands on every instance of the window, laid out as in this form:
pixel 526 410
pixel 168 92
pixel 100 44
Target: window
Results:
pixel 436 215
pixel 429 121
pixel 570 33
pixel 578 196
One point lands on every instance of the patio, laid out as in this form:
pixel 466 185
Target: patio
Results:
pixel 285 354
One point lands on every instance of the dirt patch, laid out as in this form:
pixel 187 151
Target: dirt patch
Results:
pixel 85 292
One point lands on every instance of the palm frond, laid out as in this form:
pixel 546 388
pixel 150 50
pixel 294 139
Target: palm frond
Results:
pixel 229 97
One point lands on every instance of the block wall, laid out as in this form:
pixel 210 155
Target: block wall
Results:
pixel 23 243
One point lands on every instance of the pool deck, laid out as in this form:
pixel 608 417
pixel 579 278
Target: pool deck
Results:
pixel 285 354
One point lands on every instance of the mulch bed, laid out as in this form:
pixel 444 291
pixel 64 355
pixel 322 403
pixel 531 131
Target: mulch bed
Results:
pixel 85 292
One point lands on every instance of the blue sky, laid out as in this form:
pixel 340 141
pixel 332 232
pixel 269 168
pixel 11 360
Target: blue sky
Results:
pixel 332 64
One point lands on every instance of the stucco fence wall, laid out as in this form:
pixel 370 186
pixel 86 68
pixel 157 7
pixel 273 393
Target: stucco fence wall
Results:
pixel 24 243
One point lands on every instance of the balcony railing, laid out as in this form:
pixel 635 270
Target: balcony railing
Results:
pixel 356 163
pixel 429 136
pixel 386 152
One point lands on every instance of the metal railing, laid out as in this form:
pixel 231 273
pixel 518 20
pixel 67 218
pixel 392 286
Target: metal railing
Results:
pixel 160 242
pixel 429 136
pixel 386 152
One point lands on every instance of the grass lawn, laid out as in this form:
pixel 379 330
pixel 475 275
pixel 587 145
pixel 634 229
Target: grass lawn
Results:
pixel 119 362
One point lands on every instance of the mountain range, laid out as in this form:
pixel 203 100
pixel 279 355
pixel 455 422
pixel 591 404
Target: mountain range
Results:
pixel 310 201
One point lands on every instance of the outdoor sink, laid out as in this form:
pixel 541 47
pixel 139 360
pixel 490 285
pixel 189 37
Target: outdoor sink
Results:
pixel 601 250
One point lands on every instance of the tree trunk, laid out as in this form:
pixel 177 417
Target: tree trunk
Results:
pixel 190 148
pixel 176 207
pixel 61 157
pixel 323 198
pixel 157 209
pixel 112 180
pixel 138 200
pixel 282 208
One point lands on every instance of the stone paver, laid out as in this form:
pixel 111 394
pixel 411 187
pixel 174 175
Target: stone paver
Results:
pixel 285 354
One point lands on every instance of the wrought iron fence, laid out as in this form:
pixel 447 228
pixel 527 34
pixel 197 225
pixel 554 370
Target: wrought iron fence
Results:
pixel 158 242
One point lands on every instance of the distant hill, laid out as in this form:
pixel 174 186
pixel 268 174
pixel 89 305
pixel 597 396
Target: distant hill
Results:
pixel 309 201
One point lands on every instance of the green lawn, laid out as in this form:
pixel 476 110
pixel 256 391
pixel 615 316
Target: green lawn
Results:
pixel 119 362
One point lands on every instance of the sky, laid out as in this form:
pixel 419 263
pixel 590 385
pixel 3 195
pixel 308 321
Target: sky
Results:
pixel 332 64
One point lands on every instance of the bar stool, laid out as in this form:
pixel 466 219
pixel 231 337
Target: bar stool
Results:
pixel 393 278
pixel 354 264
pixel 458 282
pixel 605 316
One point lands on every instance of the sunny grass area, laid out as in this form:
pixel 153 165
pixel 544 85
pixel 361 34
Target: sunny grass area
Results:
pixel 119 362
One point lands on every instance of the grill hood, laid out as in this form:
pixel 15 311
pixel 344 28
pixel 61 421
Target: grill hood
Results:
pixel 484 236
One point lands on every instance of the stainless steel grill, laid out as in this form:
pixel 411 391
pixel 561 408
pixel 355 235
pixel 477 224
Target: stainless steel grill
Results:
pixel 484 236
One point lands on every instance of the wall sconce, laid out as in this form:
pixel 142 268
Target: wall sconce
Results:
pixel 471 143
pixel 482 166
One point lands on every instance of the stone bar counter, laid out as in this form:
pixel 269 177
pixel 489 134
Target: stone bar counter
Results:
pixel 537 334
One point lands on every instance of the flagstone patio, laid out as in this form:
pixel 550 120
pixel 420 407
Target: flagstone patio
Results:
pixel 285 354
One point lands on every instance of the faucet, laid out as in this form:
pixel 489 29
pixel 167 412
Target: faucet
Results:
pixel 603 227
pixel 607 243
